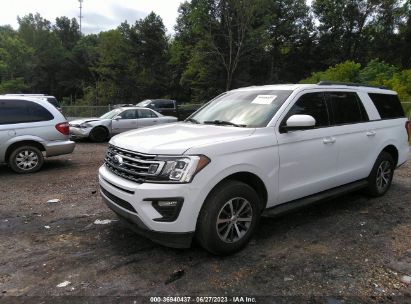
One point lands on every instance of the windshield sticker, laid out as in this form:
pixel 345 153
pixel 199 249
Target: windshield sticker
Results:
pixel 264 99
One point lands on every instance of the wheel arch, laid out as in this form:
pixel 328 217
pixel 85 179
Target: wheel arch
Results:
pixel 17 144
pixel 393 151
pixel 250 179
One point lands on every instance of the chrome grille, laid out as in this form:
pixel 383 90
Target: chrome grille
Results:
pixel 132 165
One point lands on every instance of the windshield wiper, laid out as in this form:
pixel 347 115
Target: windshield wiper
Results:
pixel 223 122
pixel 192 120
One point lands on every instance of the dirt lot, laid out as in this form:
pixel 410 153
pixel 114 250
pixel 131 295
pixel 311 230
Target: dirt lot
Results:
pixel 351 247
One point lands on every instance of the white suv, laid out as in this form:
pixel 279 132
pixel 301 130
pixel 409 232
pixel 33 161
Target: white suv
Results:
pixel 252 151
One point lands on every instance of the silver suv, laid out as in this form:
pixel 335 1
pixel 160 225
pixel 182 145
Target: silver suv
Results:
pixel 29 130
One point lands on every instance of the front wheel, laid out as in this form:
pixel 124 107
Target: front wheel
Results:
pixel 98 134
pixel 26 159
pixel 228 218
pixel 381 175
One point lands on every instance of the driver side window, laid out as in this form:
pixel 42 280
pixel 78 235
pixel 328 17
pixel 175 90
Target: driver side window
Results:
pixel 312 104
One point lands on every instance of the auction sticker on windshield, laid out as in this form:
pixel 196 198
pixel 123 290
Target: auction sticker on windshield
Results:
pixel 264 99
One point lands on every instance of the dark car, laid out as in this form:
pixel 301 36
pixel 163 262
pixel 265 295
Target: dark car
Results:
pixel 168 107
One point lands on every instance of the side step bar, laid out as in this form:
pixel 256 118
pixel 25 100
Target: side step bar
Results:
pixel 305 201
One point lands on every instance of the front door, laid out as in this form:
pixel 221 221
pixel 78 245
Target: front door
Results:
pixel 125 121
pixel 308 158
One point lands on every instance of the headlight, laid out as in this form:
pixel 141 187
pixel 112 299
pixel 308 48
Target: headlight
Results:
pixel 85 125
pixel 181 169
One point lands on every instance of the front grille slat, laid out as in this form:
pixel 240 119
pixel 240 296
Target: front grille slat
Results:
pixel 135 166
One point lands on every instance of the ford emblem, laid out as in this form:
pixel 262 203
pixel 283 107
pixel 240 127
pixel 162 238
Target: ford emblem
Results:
pixel 117 160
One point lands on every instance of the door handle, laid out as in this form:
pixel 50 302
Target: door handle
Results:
pixel 371 133
pixel 329 140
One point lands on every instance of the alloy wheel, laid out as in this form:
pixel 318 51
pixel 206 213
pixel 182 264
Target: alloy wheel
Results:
pixel 234 220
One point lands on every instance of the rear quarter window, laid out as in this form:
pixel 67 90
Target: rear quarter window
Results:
pixel 22 111
pixel 389 106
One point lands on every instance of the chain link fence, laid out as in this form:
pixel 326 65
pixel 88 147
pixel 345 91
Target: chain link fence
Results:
pixel 73 112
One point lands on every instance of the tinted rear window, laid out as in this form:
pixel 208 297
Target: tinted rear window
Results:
pixel 21 111
pixel 53 101
pixel 388 106
pixel 346 108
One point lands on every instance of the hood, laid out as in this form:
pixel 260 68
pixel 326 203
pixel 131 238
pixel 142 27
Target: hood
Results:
pixel 80 121
pixel 176 138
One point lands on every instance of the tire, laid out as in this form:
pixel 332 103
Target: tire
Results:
pixel 216 237
pixel 98 134
pixel 26 159
pixel 380 178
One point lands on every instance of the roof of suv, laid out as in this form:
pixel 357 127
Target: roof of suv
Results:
pixel 325 85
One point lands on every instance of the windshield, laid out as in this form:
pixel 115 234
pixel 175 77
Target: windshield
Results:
pixel 111 114
pixel 251 109
pixel 143 103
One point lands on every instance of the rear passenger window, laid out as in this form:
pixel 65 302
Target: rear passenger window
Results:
pixel 346 108
pixel 21 111
pixel 311 104
pixel 388 106
pixel 146 114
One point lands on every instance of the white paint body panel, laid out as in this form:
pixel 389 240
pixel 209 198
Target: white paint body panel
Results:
pixel 291 165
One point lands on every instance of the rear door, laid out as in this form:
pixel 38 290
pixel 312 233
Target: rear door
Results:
pixel 308 158
pixel 126 122
pixel 353 133
pixel 146 118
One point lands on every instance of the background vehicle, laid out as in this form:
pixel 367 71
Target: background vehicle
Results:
pixel 168 107
pixel 30 127
pixel 51 99
pixel 116 121
pixel 250 151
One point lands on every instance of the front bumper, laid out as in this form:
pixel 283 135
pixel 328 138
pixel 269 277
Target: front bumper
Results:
pixel 131 202
pixel 169 239
pixel 76 133
pixel 59 147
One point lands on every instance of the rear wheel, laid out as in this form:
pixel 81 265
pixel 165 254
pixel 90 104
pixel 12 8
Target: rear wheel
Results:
pixel 228 218
pixel 381 175
pixel 26 159
pixel 98 134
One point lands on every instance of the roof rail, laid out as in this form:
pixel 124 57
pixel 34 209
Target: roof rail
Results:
pixel 350 84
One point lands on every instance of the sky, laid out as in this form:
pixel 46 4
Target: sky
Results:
pixel 98 15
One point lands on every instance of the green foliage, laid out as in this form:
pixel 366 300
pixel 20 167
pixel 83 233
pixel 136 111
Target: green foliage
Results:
pixel 347 71
pixel 217 45
pixel 377 72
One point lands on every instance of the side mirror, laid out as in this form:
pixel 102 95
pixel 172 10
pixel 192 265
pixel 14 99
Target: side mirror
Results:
pixel 117 118
pixel 299 122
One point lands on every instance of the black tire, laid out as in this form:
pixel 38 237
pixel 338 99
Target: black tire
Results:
pixel 26 159
pixel 378 186
pixel 208 234
pixel 98 134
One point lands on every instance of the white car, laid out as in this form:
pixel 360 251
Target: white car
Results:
pixel 116 121
pixel 253 151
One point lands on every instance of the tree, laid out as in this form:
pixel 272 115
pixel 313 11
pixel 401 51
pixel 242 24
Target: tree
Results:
pixel 68 31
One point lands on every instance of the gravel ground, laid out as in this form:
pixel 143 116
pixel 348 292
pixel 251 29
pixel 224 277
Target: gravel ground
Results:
pixel 353 249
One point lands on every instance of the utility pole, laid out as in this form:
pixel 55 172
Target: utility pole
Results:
pixel 81 12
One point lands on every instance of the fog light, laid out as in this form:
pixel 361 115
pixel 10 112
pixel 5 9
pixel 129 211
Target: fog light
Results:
pixel 169 208
pixel 167 203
